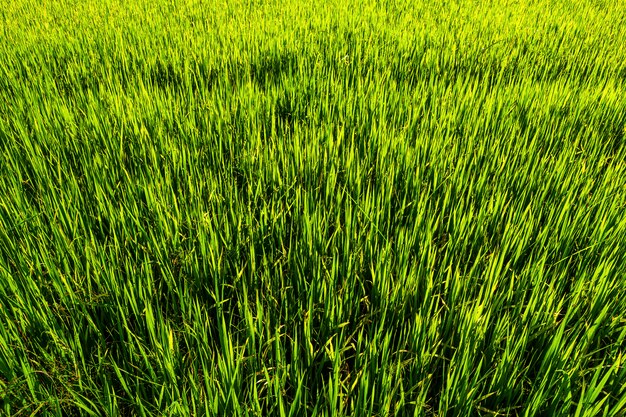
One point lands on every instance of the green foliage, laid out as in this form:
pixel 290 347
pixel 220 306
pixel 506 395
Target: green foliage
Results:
pixel 251 208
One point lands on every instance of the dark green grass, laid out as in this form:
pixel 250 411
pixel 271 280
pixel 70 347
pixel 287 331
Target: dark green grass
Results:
pixel 254 208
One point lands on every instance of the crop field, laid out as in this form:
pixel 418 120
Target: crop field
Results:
pixel 313 208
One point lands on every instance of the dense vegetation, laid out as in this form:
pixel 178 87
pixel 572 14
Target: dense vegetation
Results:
pixel 326 208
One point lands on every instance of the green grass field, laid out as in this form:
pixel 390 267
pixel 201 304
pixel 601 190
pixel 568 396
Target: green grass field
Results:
pixel 328 208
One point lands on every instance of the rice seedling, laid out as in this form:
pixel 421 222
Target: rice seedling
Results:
pixel 332 208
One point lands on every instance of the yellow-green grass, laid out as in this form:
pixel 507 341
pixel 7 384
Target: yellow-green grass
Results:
pixel 329 208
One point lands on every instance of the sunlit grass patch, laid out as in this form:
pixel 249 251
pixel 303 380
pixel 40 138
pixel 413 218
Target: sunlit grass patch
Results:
pixel 329 209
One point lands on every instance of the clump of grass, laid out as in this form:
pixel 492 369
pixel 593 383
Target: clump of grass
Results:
pixel 236 208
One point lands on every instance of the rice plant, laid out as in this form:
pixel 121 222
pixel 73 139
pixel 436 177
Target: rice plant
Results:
pixel 332 208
